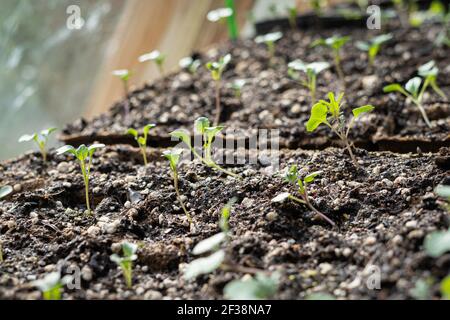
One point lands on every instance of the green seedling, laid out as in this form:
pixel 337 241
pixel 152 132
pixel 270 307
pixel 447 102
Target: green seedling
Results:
pixel 437 243
pixel 157 57
pixel 237 86
pixel 292 176
pixel 5 191
pixel 51 286
pixel 292 16
pixel 233 30
pixel 124 75
pixel 442 191
pixel 412 92
pixel 142 140
pixel 208 133
pixel 174 157
pixel 260 286
pixel 330 114
pixel 215 246
pixel 225 14
pixel 216 68
pixel 126 261
pixel 311 70
pixel 373 46
pixel 41 140
pixel 189 64
pixel 84 155
pixel 421 290
pixel 429 71
pixel 335 43
pixel 269 39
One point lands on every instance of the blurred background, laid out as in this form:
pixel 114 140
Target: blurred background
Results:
pixel 52 70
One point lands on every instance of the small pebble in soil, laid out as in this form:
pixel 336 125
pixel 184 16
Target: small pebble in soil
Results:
pixel 271 216
pixel 17 187
pixel 93 231
pixel 86 273
pixel 116 247
pixel 371 240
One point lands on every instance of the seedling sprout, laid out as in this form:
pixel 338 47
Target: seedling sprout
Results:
pixel 292 16
pixel 202 126
pixel 335 43
pixel 216 68
pixel 124 75
pixel 429 71
pixel 311 71
pixel 237 86
pixel 157 57
pixel 373 46
pixel 51 286
pixel 189 64
pixel 260 286
pixel 269 39
pixel 329 113
pixel 142 140
pixel 219 15
pixel 41 140
pixel 126 261
pixel 292 176
pixel 174 157
pixel 412 92
pixel 84 155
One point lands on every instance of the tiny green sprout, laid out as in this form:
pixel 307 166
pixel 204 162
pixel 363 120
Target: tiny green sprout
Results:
pixel 126 261
pixel 442 191
pixel 216 68
pixel 124 75
pixel 329 113
pixel 445 288
pixel 437 243
pixel 84 156
pixel 174 157
pixel 51 286
pixel 292 16
pixel 429 71
pixel 142 140
pixel 213 245
pixel 335 43
pixel 202 126
pixel 237 86
pixel 261 286
pixel 41 140
pixel 311 70
pixel 412 92
pixel 5 191
pixel 189 64
pixel 373 46
pixel 421 290
pixel 269 39
pixel 157 57
pixel 292 176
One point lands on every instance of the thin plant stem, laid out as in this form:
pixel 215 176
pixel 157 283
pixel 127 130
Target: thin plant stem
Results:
pixel 337 62
pixel 305 201
pixel 344 139
pixel 218 108
pixel 422 111
pixel 177 191
pixel 144 154
pixel 86 183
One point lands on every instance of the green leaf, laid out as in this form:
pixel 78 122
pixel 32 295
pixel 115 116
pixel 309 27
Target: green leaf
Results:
pixel 148 127
pixel 142 141
pixel 429 69
pixel 225 215
pixel 421 290
pixel 209 244
pixel 317 67
pixel 394 87
pixel 319 113
pixel 269 37
pixel 334 105
pixel 28 137
pixel 437 243
pixel 204 265
pixel 413 85
pixel 48 131
pixel 443 191
pixel 445 288
pixel 382 38
pixel 211 132
pixel 201 124
pixel 123 74
pixel 361 45
pixel 129 249
pixel 82 152
pixel 95 146
pixel 291 174
pixel 256 288
pixel 310 177
pixel 65 149
pixel 182 135
pixel 49 282
pixel 361 110
pixel 173 156
pixel 5 191
pixel 133 132
pixel 318 42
